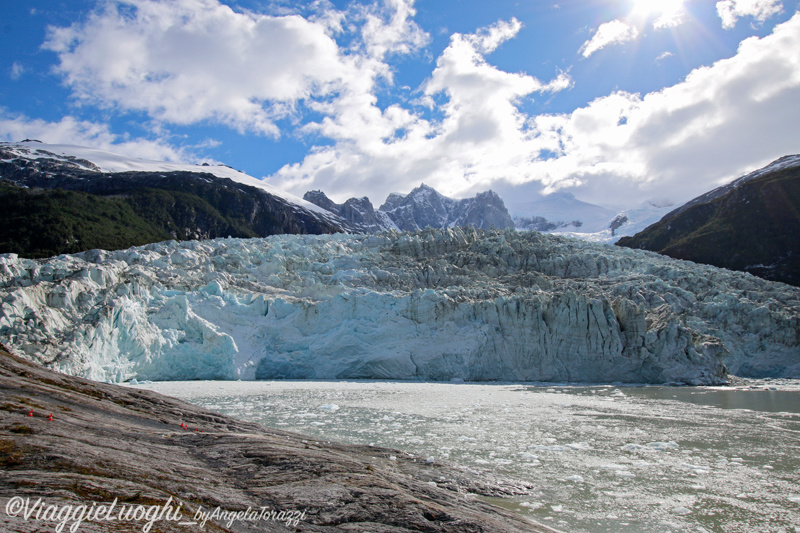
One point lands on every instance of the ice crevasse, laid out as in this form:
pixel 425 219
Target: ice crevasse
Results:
pixel 434 305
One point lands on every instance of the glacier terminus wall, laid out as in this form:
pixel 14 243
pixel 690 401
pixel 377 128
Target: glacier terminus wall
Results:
pixel 455 304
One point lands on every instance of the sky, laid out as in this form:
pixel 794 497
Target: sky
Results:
pixel 619 102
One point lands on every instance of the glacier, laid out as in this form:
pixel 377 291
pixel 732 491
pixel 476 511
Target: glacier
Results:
pixel 453 304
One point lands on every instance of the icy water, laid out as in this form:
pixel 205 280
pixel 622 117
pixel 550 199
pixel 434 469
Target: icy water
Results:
pixel 600 458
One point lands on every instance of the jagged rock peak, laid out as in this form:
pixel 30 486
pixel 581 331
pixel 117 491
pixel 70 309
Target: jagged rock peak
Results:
pixel 423 207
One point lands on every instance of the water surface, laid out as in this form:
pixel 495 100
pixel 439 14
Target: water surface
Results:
pixel 599 459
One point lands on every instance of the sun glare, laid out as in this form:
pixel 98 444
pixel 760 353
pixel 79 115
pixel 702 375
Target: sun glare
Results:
pixel 666 12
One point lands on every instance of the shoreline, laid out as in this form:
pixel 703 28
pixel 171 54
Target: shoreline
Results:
pixel 107 443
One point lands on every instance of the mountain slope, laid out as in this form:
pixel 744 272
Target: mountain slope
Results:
pixel 751 225
pixel 113 202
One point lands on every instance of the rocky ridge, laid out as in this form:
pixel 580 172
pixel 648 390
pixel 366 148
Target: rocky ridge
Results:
pixel 422 208
pixel 144 201
pixel 750 225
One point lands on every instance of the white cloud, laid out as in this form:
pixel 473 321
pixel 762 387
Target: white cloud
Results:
pixel 69 130
pixel 481 136
pixel 683 140
pixel 620 149
pixel 187 61
pixel 197 60
pixel 488 39
pixel 614 32
pixel 671 13
pixel 732 10
pixel 399 35
pixel 664 56
pixel 17 69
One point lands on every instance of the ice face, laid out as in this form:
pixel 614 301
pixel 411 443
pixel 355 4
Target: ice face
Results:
pixel 436 305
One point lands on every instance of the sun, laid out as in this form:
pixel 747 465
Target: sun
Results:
pixel 666 12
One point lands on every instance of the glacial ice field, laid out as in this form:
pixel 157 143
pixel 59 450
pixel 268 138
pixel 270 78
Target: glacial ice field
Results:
pixel 433 305
pixel 584 459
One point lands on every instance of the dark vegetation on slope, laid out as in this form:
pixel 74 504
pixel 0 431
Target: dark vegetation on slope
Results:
pixel 754 227
pixel 50 209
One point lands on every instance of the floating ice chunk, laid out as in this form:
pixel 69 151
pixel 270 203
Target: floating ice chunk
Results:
pixel 329 407
pixel 795 499
pixel 576 479
pixel 557 508
pixel 526 456
pixel 393 458
pixel 430 460
pixel 682 511
pixel 573 446
pixel 624 474
pixel 532 505
pixel 635 448
pixel 697 469
pixel 663 446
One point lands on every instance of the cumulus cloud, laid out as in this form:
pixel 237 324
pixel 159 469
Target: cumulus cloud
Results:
pixel 480 137
pixel 614 32
pixel 188 61
pixel 665 146
pixel 68 130
pixel 731 11
pixel 683 140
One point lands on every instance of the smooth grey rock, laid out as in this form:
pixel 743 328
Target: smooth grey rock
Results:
pixel 106 442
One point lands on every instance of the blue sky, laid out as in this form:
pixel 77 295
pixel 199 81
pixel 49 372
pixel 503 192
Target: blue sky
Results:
pixel 618 102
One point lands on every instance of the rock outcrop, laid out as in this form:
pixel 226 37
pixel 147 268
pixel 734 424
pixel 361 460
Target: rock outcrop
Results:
pixel 422 208
pixel 68 442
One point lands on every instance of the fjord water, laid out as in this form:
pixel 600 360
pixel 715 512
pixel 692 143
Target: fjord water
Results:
pixel 597 458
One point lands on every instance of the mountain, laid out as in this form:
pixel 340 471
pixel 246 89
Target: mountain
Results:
pixel 357 211
pixel 460 304
pixel 65 199
pixel 562 213
pixel 422 208
pixel 751 225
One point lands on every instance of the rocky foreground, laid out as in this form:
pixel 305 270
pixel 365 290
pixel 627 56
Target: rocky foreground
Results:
pixel 108 443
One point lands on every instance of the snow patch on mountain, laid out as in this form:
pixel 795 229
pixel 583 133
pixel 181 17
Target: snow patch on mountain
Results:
pixel 422 208
pixel 561 213
pixel 95 160
pixel 436 305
